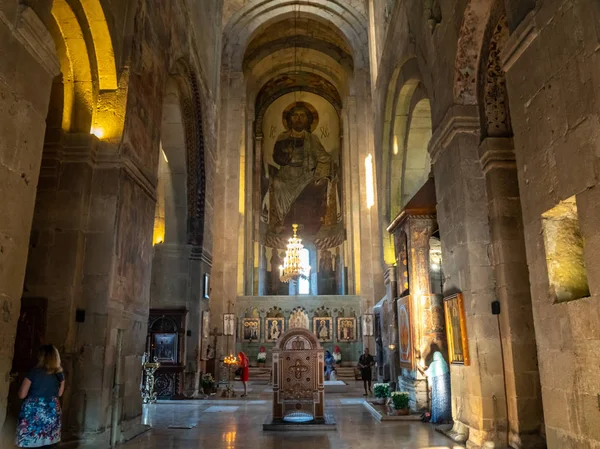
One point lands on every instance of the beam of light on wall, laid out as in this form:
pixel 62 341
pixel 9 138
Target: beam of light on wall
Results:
pixel 97 131
pixel 164 155
pixel 395 144
pixel 369 172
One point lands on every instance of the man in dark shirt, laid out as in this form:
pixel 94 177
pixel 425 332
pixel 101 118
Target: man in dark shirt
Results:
pixel 365 362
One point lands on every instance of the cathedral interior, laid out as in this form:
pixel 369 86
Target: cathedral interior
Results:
pixel 438 160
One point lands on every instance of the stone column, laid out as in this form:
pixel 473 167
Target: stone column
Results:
pixel 228 220
pixel 525 415
pixel 28 50
pixel 478 395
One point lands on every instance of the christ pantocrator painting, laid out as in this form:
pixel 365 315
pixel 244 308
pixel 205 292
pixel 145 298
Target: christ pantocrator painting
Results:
pixel 302 190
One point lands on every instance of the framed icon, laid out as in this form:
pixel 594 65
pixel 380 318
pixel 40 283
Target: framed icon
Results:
pixel 274 328
pixel 165 347
pixel 456 330
pixel 228 324
pixel 251 329
pixel 367 325
pixel 323 328
pixel 346 329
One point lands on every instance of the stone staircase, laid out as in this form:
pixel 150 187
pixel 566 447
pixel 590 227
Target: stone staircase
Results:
pixel 345 373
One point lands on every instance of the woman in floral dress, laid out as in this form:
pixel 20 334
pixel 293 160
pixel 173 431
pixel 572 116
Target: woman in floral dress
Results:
pixel 39 420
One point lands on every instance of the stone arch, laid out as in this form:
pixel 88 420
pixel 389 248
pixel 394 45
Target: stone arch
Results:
pixel 88 70
pixel 493 94
pixel 400 103
pixel 416 162
pixel 193 120
pixel 102 50
pixel 271 92
pixel 259 14
pixel 170 225
pixel 470 41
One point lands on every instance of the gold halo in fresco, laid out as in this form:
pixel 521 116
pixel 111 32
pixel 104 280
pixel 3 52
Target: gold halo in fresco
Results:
pixel 309 107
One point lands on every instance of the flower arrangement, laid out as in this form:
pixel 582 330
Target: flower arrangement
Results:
pixel 261 357
pixel 207 381
pixel 399 400
pixel 337 354
pixel 381 391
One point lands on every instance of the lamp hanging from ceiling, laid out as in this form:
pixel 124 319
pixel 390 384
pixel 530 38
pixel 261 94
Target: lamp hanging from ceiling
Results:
pixel 294 267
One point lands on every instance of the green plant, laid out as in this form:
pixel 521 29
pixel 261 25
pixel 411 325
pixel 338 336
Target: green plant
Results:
pixel 400 400
pixel 261 357
pixel 207 381
pixel 381 390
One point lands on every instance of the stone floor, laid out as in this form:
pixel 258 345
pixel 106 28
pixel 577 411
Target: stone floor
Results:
pixel 237 424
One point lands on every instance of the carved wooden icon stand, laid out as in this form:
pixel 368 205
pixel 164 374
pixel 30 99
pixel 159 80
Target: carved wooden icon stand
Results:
pixel 298 387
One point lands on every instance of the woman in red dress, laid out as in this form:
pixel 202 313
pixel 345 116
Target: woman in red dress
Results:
pixel 245 374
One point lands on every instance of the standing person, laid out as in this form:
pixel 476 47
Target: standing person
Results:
pixel 39 419
pixel 438 375
pixel 245 371
pixel 329 364
pixel 365 362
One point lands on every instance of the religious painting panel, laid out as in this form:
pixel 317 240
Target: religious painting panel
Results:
pixel 456 329
pixel 367 325
pixel 228 324
pixel 405 336
pixel 251 329
pixel 301 175
pixel 274 327
pixel 165 347
pixel 401 247
pixel 346 329
pixel 323 328
pixel 299 318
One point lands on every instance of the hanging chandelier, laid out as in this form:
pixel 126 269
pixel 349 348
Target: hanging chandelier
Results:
pixel 293 266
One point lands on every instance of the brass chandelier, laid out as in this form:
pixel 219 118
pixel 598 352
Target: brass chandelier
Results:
pixel 293 267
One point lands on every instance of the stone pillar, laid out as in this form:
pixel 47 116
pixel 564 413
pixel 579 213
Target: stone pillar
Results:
pixel 391 321
pixel 478 394
pixel 525 415
pixel 27 50
pixel 228 220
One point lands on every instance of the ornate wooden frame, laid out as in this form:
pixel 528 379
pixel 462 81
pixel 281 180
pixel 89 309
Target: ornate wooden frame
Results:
pixel 339 328
pixel 456 326
pixel 328 319
pixel 281 321
pixel 245 322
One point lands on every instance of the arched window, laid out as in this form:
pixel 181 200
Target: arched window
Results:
pixel 304 284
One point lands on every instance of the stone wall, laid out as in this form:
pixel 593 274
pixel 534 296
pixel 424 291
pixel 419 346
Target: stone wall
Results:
pixel 25 82
pixel 553 78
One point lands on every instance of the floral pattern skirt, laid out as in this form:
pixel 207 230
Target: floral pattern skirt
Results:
pixel 39 422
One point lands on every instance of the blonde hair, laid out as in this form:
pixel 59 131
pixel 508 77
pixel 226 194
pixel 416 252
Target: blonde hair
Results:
pixel 49 359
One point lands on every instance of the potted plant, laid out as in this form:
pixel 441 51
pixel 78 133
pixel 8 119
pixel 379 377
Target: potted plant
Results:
pixel 382 392
pixel 261 358
pixel 399 403
pixel 207 382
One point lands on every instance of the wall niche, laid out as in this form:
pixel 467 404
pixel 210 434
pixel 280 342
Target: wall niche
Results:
pixel 564 252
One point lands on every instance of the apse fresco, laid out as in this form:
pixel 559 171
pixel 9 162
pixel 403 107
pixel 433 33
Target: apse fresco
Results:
pixel 301 179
